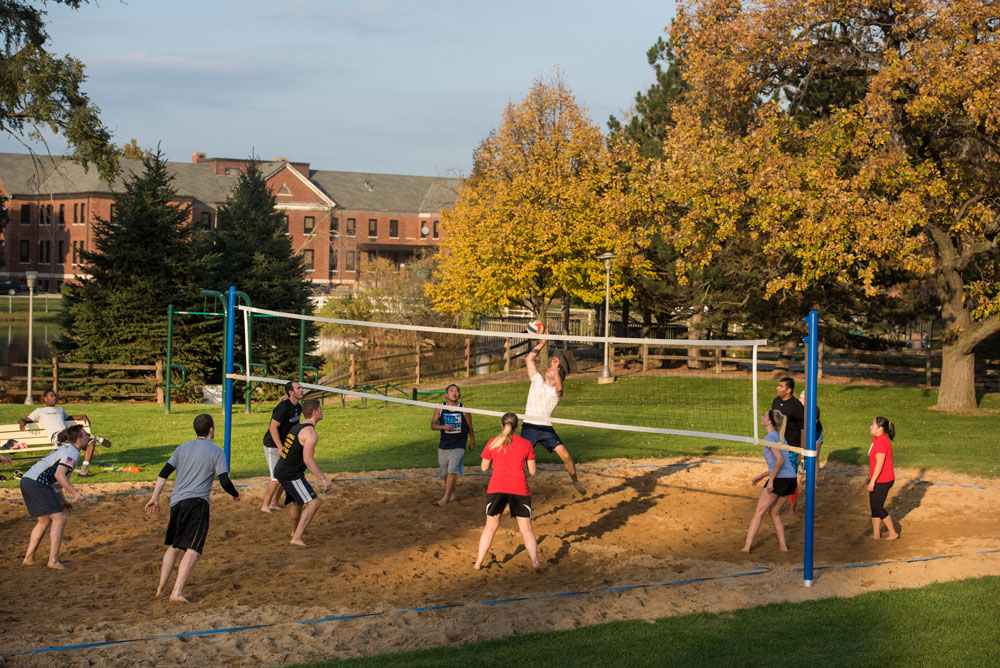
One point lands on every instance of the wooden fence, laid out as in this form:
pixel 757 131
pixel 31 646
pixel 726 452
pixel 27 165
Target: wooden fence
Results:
pixel 917 367
pixel 48 375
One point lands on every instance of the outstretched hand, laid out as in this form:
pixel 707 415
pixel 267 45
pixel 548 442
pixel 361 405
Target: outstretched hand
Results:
pixel 151 507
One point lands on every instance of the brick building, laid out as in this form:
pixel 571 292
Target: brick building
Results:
pixel 335 219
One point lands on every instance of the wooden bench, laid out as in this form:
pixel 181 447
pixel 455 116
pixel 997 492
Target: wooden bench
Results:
pixel 34 435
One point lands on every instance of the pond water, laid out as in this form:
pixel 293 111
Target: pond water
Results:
pixel 14 345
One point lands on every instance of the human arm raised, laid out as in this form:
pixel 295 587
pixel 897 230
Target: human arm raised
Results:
pixel 529 360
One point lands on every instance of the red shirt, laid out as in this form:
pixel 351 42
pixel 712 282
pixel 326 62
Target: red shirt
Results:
pixel 881 444
pixel 508 466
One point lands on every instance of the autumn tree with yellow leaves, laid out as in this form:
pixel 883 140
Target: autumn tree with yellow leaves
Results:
pixel 543 201
pixel 860 139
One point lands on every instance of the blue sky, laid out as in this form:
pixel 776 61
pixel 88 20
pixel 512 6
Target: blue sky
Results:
pixel 384 86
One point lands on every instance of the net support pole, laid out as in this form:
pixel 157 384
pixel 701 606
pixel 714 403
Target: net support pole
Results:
pixel 753 418
pixel 811 363
pixel 170 354
pixel 227 402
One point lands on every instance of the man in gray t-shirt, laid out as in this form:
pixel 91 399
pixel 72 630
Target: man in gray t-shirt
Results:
pixel 197 463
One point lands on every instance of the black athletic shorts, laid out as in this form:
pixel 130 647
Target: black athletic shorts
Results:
pixel 188 525
pixel 785 486
pixel 520 506
pixel 541 434
pixel 40 499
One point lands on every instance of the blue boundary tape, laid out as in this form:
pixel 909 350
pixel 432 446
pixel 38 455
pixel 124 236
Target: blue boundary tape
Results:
pixel 911 560
pixel 758 570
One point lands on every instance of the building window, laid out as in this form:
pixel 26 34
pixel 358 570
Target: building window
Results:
pixel 283 191
pixel 44 252
pixel 308 259
pixel 350 261
pixel 424 230
pixel 309 224
pixel 46 215
pixel 206 220
pixel 62 252
pixel 26 214
pixel 232 171
pixel 334 224
pixel 25 251
pixel 62 215
pixel 351 224
pixel 333 259
pixel 83 213
pixel 284 221
pixel 111 213
pixel 435 229
pixel 393 229
pixel 77 253
pixel 76 213
pixel 373 227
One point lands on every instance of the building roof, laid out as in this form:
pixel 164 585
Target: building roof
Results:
pixel 28 175
pixel 365 191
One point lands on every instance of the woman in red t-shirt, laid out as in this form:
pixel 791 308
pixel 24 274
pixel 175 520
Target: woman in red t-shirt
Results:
pixel 508 453
pixel 881 475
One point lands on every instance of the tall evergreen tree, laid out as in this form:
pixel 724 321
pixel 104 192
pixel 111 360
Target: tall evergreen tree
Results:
pixel 145 256
pixel 255 254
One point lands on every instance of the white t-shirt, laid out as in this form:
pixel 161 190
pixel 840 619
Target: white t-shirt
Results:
pixel 542 400
pixel 53 420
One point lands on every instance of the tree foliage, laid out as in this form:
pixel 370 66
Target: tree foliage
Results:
pixel 132 150
pixel 254 253
pixel 144 257
pixel 858 138
pixel 544 199
pixel 39 91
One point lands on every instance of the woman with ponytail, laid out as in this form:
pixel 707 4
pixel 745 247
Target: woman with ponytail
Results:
pixel 881 475
pixel 508 453
pixel 781 480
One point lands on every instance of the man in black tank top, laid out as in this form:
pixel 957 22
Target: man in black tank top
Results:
pixel 297 455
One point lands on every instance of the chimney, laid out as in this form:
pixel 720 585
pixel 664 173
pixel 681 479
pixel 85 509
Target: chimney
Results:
pixel 282 160
pixel 195 157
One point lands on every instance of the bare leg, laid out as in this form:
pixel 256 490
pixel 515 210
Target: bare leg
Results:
pixel 37 531
pixel 87 454
pixel 486 538
pixel 308 511
pixel 530 543
pixel 183 571
pixel 295 514
pixel 876 528
pixel 779 527
pixel 270 497
pixel 891 527
pixel 764 504
pixel 168 565
pixel 276 497
pixel 570 467
pixel 55 539
pixel 449 489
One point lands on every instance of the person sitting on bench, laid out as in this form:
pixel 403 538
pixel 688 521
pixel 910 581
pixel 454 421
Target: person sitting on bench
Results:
pixel 53 420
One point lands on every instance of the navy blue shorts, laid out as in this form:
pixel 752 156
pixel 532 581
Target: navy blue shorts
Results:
pixel 542 435
pixel 298 491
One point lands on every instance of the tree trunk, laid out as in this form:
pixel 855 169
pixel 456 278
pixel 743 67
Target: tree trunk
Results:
pixel 565 319
pixel 958 379
pixel 694 332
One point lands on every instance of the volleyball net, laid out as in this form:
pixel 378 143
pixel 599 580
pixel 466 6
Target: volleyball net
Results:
pixel 676 387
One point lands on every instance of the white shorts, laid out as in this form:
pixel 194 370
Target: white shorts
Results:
pixel 272 455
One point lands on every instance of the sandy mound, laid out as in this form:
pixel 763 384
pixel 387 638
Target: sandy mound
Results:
pixel 379 547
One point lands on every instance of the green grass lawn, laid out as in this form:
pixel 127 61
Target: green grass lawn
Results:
pixel 46 308
pixel 393 437
pixel 946 624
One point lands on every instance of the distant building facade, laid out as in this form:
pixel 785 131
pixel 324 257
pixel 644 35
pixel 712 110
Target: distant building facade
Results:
pixel 336 220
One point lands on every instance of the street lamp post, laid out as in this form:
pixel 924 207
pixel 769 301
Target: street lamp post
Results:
pixel 30 276
pixel 606 376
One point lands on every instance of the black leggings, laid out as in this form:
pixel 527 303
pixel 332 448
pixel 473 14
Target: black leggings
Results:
pixel 876 499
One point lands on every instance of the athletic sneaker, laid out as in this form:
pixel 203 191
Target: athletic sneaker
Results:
pixel 100 440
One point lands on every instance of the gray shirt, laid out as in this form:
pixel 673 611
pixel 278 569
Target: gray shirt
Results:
pixel 197 463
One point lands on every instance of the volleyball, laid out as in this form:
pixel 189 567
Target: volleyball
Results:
pixel 536 327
